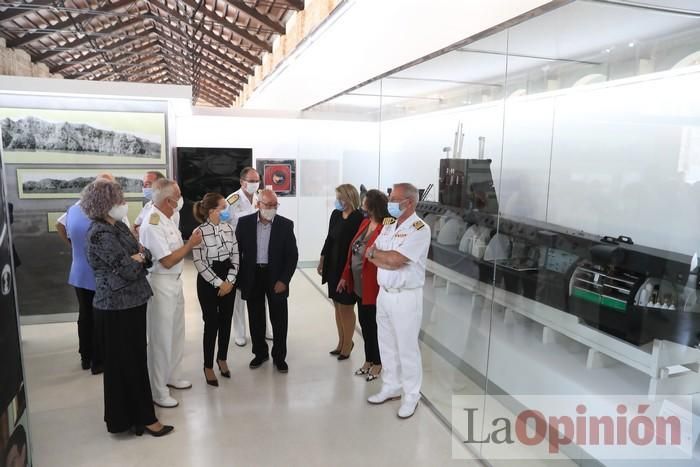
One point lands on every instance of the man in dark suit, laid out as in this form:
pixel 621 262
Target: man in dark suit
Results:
pixel 268 259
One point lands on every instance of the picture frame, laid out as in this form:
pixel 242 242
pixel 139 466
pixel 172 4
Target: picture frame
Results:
pixel 80 137
pixel 49 183
pixel 279 174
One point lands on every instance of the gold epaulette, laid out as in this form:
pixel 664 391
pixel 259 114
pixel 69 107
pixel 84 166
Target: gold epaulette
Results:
pixel 389 221
pixel 232 199
pixel 154 219
pixel 418 225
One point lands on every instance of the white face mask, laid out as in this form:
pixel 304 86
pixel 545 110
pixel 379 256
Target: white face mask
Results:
pixel 118 212
pixel 180 203
pixel 251 187
pixel 268 214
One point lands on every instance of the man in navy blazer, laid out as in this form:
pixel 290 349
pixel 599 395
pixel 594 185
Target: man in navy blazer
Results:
pixel 268 259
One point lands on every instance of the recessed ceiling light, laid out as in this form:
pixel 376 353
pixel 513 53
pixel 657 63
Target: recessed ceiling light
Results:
pixel 607 51
pixel 631 44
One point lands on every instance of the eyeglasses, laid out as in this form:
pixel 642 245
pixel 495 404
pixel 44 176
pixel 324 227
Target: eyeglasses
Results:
pixel 394 200
pixel 252 181
pixel 272 206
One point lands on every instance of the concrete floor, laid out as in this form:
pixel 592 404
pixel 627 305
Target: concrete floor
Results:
pixel 316 415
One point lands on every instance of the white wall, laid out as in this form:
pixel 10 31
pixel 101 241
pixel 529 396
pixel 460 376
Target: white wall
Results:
pixel 624 156
pixel 327 152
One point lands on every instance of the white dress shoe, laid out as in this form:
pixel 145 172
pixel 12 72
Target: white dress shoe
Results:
pixel 240 341
pixel 408 407
pixel 166 402
pixel 383 396
pixel 180 384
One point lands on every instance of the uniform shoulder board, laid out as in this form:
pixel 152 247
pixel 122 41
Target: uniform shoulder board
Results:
pixel 418 225
pixel 232 199
pixel 154 219
pixel 389 221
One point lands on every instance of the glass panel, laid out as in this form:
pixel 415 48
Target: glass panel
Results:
pixel 600 144
pixel 441 127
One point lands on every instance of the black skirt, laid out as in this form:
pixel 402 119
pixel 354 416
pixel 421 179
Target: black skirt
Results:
pixel 344 298
pixel 127 390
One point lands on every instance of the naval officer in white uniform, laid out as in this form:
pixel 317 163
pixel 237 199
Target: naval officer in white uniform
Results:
pixel 166 308
pixel 148 180
pixel 241 203
pixel 400 253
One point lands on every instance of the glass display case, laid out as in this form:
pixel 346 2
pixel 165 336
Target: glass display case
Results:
pixel 559 160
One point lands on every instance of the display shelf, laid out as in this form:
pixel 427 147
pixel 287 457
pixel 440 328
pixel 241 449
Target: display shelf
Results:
pixel 654 360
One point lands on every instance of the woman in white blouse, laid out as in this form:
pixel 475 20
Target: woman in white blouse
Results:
pixel 216 260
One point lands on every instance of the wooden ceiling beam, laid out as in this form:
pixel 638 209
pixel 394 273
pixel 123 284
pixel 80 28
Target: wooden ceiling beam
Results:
pixel 32 36
pixel 118 45
pixel 211 35
pixel 242 70
pixel 223 72
pixel 126 53
pixel 222 82
pixel 233 29
pixel 118 26
pixel 253 13
pixel 102 65
pixel 16 9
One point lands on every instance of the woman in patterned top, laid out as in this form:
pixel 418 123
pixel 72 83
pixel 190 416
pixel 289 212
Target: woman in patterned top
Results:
pixel 216 260
pixel 121 292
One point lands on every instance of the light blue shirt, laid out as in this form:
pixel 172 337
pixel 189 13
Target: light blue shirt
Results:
pixel 77 225
pixel 263 240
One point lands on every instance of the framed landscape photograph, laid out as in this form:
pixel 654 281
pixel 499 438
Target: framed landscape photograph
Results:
pixel 280 174
pixel 68 183
pixel 49 136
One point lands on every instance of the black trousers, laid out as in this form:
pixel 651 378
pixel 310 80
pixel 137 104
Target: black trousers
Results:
pixel 90 328
pixel 367 315
pixel 216 313
pixel 127 390
pixel 278 317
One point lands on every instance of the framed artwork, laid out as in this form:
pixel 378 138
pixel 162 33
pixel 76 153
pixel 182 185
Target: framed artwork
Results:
pixel 50 136
pixel 68 183
pixel 280 174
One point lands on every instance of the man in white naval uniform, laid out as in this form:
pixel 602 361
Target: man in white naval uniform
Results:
pixel 241 203
pixel 166 308
pixel 400 253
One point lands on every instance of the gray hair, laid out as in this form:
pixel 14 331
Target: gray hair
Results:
pixel 99 197
pixel 162 188
pixel 409 190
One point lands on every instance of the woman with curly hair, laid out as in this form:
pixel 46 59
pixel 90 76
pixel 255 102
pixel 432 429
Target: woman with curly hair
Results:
pixel 121 293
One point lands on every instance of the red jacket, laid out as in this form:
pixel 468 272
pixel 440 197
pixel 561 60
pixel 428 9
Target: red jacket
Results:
pixel 370 288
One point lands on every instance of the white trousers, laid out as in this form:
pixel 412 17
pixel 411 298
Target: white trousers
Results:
pixel 399 318
pixel 239 317
pixel 239 314
pixel 166 332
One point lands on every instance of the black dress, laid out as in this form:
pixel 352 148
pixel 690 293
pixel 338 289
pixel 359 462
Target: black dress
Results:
pixel 122 293
pixel 335 253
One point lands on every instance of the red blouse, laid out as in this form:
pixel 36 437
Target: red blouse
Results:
pixel 370 288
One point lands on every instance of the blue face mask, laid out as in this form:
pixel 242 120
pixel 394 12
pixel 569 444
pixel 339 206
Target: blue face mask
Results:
pixel 148 193
pixel 339 205
pixel 395 210
pixel 224 215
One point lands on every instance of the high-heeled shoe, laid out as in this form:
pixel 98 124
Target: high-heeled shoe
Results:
pixel 211 382
pixel 345 357
pixel 140 430
pixel 372 376
pixel 225 374
pixel 334 352
pixel 363 371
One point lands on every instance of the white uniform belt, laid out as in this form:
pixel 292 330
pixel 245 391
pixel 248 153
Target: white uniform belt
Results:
pixel 166 274
pixel 394 290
